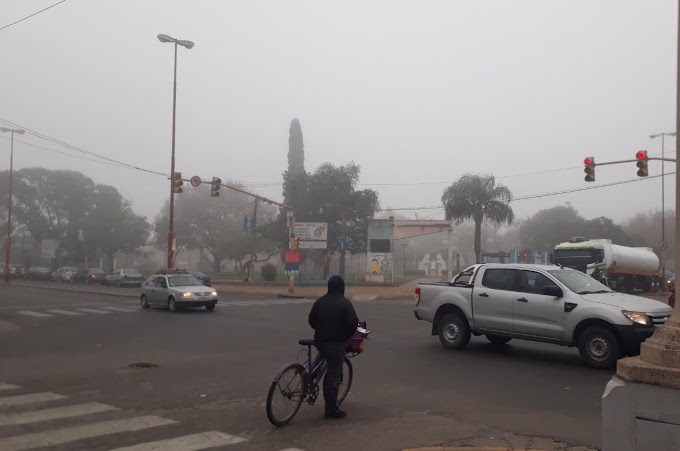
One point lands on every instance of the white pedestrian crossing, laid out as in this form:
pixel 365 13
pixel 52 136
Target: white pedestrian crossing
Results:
pixel 193 442
pixel 71 434
pixel 122 309
pixel 81 422
pixel 30 398
pixel 65 312
pixel 35 314
pixel 93 310
pixel 54 413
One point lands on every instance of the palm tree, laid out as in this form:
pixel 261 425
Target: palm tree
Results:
pixel 477 197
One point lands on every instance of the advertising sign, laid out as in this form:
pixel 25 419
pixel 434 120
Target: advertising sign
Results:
pixel 311 231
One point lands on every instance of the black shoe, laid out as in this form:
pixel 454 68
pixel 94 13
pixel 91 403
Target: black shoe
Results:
pixel 335 415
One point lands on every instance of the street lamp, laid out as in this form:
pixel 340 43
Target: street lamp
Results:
pixel 663 201
pixel 8 244
pixel 171 231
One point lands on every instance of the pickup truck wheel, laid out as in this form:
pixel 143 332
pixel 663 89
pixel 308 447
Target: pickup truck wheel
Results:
pixel 454 332
pixel 498 339
pixel 599 347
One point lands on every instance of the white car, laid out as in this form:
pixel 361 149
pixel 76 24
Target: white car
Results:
pixel 177 291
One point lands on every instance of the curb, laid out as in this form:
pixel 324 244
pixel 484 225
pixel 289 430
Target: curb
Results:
pixel 464 448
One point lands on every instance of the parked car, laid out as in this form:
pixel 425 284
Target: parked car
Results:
pixel 122 277
pixel 539 303
pixel 177 291
pixel 16 271
pixel 202 277
pixel 63 274
pixel 38 273
pixel 89 276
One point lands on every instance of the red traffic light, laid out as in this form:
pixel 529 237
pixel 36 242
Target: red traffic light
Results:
pixel 589 161
pixel 641 155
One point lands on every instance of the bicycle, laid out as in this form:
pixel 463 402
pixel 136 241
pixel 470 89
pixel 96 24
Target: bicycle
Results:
pixel 296 382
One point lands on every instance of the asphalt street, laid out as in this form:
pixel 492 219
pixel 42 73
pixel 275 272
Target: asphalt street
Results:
pixel 211 372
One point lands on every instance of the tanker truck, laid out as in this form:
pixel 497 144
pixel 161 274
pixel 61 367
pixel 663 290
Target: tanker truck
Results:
pixel 622 268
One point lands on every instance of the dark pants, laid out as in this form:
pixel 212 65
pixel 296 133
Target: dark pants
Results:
pixel 334 353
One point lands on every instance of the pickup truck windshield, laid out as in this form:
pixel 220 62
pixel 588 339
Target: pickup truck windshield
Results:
pixel 578 282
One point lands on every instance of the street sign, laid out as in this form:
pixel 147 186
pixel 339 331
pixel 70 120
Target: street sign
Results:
pixel 248 224
pixel 195 181
pixel 663 245
pixel 311 231
pixel 313 245
pixel 292 257
pixel 345 242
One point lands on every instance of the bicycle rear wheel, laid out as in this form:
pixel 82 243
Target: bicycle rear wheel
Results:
pixel 345 380
pixel 286 394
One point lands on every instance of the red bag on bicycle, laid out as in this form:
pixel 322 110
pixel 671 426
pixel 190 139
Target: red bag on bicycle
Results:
pixel 355 344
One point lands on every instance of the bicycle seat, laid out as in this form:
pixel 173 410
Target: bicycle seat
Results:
pixel 307 342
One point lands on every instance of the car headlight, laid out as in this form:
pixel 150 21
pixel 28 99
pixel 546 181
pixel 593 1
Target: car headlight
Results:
pixel 214 293
pixel 187 294
pixel 638 318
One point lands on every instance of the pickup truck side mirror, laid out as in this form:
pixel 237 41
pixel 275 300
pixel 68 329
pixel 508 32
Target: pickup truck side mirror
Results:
pixel 553 290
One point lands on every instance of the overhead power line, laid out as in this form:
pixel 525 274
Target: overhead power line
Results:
pixel 34 14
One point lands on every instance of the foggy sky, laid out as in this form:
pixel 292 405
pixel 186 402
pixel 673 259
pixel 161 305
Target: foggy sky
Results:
pixel 412 91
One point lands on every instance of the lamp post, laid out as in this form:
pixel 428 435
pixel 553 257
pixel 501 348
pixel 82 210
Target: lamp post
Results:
pixel 663 201
pixel 8 243
pixel 171 231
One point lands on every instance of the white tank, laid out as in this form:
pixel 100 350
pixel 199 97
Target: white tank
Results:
pixel 628 260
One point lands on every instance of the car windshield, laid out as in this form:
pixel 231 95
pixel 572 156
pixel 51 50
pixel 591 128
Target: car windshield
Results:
pixel 197 274
pixel 95 271
pixel 184 281
pixel 71 269
pixel 130 272
pixel 578 282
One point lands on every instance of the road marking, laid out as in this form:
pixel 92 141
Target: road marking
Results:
pixel 54 413
pixel 121 309
pixel 93 310
pixel 36 314
pixel 4 386
pixel 65 312
pixel 193 442
pixel 30 398
pixel 71 434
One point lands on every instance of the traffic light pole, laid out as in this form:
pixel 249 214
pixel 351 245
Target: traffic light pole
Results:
pixel 171 228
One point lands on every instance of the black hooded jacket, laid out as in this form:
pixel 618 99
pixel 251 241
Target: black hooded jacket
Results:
pixel 332 316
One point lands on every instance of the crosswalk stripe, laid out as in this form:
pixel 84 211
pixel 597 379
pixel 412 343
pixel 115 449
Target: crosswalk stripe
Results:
pixel 54 413
pixel 65 312
pixel 4 386
pixel 71 434
pixel 30 398
pixel 93 310
pixel 32 313
pixel 121 309
pixel 194 442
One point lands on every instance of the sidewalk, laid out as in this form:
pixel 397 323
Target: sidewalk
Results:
pixel 359 293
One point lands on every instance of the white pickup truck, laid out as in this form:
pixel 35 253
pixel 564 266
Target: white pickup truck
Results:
pixel 539 303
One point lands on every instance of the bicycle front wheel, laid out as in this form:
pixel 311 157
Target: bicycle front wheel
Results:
pixel 286 394
pixel 345 380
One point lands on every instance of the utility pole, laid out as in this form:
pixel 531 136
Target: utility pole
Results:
pixel 663 202
pixel 8 243
pixel 253 257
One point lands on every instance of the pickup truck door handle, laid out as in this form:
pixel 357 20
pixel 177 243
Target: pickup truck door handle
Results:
pixel 483 295
pixel 522 300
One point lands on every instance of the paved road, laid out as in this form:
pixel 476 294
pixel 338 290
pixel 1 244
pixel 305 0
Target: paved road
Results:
pixel 69 354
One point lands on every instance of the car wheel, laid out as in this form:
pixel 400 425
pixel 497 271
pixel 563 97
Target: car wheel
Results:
pixel 498 339
pixel 210 307
pixel 144 302
pixel 172 305
pixel 599 347
pixel 454 332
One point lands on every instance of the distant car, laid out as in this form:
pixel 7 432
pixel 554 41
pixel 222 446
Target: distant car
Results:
pixel 63 274
pixel 16 271
pixel 177 291
pixel 122 277
pixel 89 276
pixel 202 277
pixel 38 273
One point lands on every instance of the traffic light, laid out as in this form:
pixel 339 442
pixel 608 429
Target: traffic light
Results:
pixel 642 159
pixel 215 187
pixel 589 169
pixel 177 182
pixel 294 243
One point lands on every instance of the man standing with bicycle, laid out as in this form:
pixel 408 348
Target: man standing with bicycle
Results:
pixel 334 321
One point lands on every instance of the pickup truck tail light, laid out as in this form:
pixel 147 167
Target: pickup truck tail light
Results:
pixel 417 296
